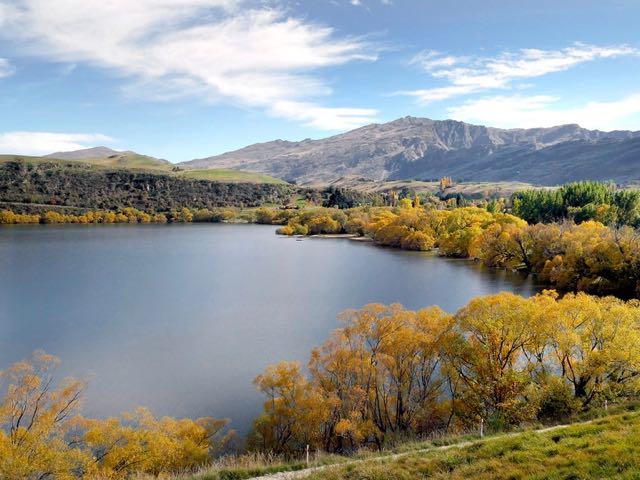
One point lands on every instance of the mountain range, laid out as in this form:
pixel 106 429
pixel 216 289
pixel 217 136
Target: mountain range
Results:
pixel 425 149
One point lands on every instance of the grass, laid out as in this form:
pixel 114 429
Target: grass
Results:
pixel 132 160
pixel 123 161
pixel 257 464
pixel 608 447
pixel 226 175
pixel 603 445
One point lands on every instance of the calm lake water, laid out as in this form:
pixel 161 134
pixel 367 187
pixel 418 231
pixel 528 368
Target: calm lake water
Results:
pixel 181 318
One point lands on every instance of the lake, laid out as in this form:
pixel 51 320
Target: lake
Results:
pixel 181 318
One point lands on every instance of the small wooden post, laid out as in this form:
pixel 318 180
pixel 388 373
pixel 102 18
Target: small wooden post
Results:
pixel 307 452
pixel 482 427
pixel 606 405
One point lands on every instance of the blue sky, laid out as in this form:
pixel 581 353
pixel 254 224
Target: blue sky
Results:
pixel 181 79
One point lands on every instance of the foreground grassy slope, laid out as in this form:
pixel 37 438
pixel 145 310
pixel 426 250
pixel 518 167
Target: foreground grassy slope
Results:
pixel 605 448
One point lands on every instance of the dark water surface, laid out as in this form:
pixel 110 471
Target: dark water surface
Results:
pixel 181 318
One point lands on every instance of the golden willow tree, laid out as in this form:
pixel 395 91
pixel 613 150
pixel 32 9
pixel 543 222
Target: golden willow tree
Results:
pixel 43 435
pixel 503 359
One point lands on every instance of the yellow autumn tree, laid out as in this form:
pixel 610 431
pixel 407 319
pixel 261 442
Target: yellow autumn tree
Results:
pixel 376 376
pixel 501 358
pixel 43 435
pixel 462 229
pixel 138 442
pixel 489 358
pixel 596 344
pixel 36 419
pixel 294 411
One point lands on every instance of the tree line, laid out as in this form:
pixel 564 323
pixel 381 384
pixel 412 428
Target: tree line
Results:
pixel 579 201
pixel 589 256
pixel 391 373
pixel 130 215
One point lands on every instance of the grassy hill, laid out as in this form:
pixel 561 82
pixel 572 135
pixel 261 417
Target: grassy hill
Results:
pixel 138 162
pixel 129 180
pixel 131 160
pixel 607 447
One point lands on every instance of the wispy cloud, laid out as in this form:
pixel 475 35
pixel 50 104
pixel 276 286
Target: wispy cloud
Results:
pixel 6 69
pixel 220 49
pixel 42 143
pixel 431 60
pixel 545 111
pixel 324 117
pixel 468 75
pixel 361 3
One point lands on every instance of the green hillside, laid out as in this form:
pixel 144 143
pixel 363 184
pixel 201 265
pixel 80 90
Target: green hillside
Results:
pixel 133 161
pixel 28 184
pixel 226 175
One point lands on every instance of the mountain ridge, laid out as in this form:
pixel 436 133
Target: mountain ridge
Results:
pixel 415 148
pixel 422 148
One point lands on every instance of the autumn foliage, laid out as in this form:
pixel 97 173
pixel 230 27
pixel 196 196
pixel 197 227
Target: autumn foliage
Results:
pixel 43 435
pixel 124 215
pixel 588 256
pixel 391 372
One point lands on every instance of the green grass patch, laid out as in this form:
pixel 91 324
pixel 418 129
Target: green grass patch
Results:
pixel 607 445
pixel 227 175
pixel 605 448
pixel 132 161
pixel 121 161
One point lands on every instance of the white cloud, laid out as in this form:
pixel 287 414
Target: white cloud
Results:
pixel 360 3
pixel 323 117
pixel 42 143
pixel 545 111
pixel 467 75
pixel 6 69
pixel 430 60
pixel 220 49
